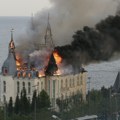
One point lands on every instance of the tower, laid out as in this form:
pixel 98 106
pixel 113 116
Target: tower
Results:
pixel 48 35
pixel 9 66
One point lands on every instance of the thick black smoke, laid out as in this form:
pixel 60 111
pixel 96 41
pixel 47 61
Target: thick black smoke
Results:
pixel 93 44
pixel 88 45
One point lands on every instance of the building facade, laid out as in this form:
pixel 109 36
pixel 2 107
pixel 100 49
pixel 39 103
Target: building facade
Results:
pixel 13 81
pixel 61 87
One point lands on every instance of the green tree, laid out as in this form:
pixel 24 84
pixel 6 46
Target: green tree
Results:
pixel 1 115
pixel 17 105
pixel 24 102
pixel 34 98
pixel 10 107
pixel 44 99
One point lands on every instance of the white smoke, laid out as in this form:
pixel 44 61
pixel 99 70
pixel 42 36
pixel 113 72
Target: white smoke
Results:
pixel 67 16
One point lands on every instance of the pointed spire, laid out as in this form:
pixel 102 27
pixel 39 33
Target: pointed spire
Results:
pixel 48 17
pixel 32 22
pixel 48 34
pixel 12 34
pixel 11 44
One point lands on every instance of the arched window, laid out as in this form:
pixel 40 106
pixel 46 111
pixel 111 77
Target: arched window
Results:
pixel 29 88
pixel 24 74
pixel 4 86
pixel 29 75
pixel 4 70
pixel 18 87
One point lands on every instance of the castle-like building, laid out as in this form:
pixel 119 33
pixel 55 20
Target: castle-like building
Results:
pixel 13 81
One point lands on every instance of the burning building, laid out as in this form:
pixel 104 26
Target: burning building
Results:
pixel 17 75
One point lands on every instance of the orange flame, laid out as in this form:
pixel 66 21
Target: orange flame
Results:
pixel 18 61
pixel 58 60
pixel 58 72
pixel 41 73
pixel 57 57
pixel 12 45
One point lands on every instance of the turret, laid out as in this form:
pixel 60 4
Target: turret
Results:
pixel 9 66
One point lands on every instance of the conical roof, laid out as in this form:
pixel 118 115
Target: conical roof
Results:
pixel 116 86
pixel 10 63
pixel 52 66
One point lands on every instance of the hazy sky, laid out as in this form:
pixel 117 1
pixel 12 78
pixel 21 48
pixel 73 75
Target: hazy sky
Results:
pixel 27 7
pixel 22 7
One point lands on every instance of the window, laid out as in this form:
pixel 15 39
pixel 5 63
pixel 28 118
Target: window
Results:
pixel 66 83
pixel 6 71
pixel 37 83
pixel 18 87
pixel 4 98
pixel 61 83
pixel 4 86
pixel 73 82
pixel 29 75
pixel 23 85
pixel 53 88
pixel 78 80
pixel 70 83
pixel 41 85
pixel 81 81
pixel 29 88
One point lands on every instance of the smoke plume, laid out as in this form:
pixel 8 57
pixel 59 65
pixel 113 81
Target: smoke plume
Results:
pixel 67 16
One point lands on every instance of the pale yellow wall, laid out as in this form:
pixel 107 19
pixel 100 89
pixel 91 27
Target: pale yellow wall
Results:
pixel 68 85
pixel 65 86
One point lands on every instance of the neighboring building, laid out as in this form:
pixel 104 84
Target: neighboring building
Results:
pixel 12 81
pixel 116 86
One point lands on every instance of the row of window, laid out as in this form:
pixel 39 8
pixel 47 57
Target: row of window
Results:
pixel 23 86
pixel 18 87
pixel 29 86
pixel 72 82
pixel 67 95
